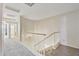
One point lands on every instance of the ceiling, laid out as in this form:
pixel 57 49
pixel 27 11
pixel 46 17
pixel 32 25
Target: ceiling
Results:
pixel 43 10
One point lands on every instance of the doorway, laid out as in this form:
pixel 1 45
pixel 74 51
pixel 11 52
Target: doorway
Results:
pixel 10 30
pixel 13 31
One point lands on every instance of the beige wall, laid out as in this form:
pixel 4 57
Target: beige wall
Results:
pixel 26 26
pixel 45 26
pixel 48 25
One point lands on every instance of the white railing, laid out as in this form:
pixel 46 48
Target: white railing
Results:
pixel 37 33
pixel 50 41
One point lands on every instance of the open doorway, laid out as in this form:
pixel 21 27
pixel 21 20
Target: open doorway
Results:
pixel 10 30
pixel 13 31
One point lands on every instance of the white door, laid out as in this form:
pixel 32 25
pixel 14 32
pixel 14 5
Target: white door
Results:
pixel 13 31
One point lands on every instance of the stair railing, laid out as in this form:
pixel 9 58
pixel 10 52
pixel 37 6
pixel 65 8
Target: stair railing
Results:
pixel 48 41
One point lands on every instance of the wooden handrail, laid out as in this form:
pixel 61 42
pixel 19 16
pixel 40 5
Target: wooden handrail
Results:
pixel 46 38
pixel 37 33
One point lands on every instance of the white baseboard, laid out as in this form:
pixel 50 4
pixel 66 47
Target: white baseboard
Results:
pixel 69 45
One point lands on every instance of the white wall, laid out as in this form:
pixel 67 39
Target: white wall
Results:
pixel 1 6
pixel 11 16
pixel 63 30
pixel 70 29
pixel 0 21
pixel 73 29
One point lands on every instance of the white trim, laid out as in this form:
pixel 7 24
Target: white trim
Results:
pixel 65 44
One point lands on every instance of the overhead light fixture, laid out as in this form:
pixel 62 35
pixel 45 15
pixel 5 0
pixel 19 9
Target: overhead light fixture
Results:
pixel 30 4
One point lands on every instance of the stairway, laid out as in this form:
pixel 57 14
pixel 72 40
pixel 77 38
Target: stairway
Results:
pixel 49 50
